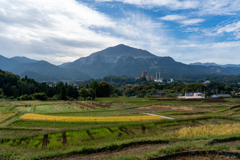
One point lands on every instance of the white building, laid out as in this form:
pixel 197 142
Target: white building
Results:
pixel 193 95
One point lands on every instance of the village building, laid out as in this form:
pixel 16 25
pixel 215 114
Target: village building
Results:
pixel 193 95
pixel 221 96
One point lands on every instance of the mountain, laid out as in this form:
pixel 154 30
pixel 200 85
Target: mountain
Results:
pixel 23 59
pixel 38 77
pixel 214 64
pixel 101 63
pixel 125 60
pixel 118 60
pixel 64 64
pixel 41 70
pixel 7 64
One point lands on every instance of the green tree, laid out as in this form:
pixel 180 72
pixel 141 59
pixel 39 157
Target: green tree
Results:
pixel 104 90
pixel 83 92
pixel 63 93
pixel 95 86
pixel 7 89
pixel 91 93
pixel 1 93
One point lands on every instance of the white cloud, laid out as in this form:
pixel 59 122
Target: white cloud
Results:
pixel 219 52
pixel 64 30
pixel 201 7
pixel 184 20
pixel 35 27
pixel 219 7
pixel 192 21
pixel 233 28
pixel 171 4
pixel 173 17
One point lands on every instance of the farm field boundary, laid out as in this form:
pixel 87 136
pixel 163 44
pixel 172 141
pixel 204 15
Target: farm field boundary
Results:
pixel 229 139
pixel 198 153
pixel 7 115
pixel 103 149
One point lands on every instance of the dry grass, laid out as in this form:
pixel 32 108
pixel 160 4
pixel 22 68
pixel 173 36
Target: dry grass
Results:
pixel 206 130
pixel 35 102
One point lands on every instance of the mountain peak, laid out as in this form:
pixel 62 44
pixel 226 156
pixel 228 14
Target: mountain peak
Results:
pixel 24 59
pixel 123 50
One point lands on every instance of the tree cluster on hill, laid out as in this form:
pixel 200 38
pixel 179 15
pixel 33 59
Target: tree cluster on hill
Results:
pixel 12 86
pixel 230 80
pixel 149 88
pixel 97 89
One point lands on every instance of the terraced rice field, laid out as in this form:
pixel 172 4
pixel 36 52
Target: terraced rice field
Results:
pixel 207 130
pixel 122 130
pixel 39 117
pixel 6 115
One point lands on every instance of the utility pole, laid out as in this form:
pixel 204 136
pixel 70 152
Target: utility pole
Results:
pixel 85 94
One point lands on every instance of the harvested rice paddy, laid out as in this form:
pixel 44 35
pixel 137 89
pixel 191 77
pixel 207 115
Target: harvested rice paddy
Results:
pixel 39 117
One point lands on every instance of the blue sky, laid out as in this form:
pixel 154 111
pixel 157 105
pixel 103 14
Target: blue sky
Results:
pixel 60 31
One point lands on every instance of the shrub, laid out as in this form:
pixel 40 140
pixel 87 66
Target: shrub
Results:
pixel 25 97
pixel 171 96
pixel 114 95
pixel 40 96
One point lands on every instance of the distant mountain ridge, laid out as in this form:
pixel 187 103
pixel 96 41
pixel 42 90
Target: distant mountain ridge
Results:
pixel 40 70
pixel 125 60
pixel 214 64
pixel 118 60
pixel 24 59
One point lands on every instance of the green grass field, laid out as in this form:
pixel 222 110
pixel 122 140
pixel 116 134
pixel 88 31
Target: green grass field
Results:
pixel 28 139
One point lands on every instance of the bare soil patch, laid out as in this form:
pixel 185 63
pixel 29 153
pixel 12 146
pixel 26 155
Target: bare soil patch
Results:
pixel 16 103
pixel 230 143
pixel 135 150
pixel 207 157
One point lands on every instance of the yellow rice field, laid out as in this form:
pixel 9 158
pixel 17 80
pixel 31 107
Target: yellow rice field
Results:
pixel 39 117
pixel 6 115
pixel 207 130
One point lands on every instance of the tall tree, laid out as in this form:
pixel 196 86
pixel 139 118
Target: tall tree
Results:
pixel 63 93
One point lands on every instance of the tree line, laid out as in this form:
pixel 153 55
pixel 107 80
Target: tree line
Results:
pixel 147 89
pixel 11 86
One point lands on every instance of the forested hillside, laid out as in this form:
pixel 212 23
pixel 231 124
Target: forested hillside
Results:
pixel 26 88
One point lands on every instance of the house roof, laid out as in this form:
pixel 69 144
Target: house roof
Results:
pixel 195 92
pixel 222 95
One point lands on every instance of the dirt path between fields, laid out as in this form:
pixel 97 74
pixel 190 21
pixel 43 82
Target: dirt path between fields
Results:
pixel 136 150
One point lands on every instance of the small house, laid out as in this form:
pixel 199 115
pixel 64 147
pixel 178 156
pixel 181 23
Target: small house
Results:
pixel 193 95
pixel 221 96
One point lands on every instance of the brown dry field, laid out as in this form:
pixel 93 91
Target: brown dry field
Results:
pixel 208 157
pixel 34 102
pixel 135 150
